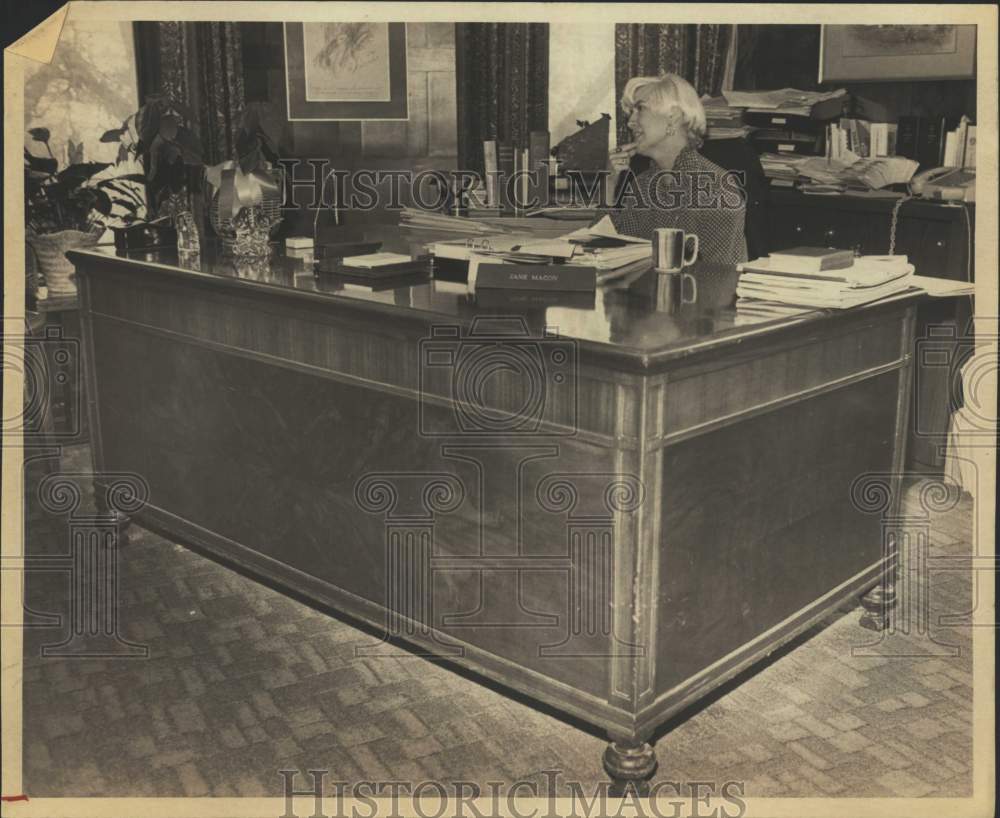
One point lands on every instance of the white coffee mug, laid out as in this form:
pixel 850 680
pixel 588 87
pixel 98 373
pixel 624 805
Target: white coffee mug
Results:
pixel 673 249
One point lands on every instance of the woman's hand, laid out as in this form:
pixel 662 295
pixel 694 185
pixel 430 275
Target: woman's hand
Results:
pixel 618 162
pixel 619 158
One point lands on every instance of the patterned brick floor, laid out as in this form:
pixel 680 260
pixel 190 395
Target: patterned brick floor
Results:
pixel 242 682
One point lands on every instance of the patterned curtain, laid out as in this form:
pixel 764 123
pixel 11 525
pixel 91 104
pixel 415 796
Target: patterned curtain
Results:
pixel 747 38
pixel 200 64
pixel 503 85
pixel 696 52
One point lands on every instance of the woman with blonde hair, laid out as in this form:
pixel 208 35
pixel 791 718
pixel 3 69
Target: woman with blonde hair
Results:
pixel 681 188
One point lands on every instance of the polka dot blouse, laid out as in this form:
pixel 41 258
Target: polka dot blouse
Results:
pixel 696 196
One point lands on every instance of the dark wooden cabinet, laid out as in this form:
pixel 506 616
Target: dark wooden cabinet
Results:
pixel 938 238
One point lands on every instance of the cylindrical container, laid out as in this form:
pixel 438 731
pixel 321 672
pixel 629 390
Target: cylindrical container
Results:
pixel 673 249
pixel 50 250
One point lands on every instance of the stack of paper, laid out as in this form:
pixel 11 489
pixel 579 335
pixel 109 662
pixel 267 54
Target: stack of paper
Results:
pixel 786 100
pixel 526 249
pixel 874 174
pixel 724 121
pixel 753 311
pixel 537 225
pixel 599 246
pixel 781 168
pixel 943 287
pixel 429 220
pixel 605 248
pixel 850 171
pixel 869 279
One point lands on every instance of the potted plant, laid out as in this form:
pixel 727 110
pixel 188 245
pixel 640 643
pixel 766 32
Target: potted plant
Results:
pixel 71 207
pixel 160 136
pixel 245 192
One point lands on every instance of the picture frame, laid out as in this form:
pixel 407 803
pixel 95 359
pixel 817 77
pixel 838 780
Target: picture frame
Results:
pixel 897 52
pixel 345 71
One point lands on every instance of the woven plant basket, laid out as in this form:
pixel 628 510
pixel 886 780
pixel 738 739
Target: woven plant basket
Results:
pixel 50 251
pixel 223 225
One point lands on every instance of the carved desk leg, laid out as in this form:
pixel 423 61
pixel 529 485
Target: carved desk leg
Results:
pixel 629 763
pixel 880 600
pixel 878 603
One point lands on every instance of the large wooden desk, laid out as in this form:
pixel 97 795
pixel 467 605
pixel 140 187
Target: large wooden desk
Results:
pixel 614 518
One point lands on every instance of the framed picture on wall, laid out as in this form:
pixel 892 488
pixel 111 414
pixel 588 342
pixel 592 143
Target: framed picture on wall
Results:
pixel 345 71
pixel 884 53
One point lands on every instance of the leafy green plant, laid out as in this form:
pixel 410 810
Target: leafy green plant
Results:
pixel 256 183
pixel 253 144
pixel 161 136
pixel 74 198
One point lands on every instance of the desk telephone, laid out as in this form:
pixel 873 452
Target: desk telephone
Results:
pixel 947 184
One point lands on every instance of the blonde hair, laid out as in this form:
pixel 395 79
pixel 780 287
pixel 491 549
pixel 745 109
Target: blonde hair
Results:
pixel 663 94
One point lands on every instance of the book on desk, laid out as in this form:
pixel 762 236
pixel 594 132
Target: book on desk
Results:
pixel 866 279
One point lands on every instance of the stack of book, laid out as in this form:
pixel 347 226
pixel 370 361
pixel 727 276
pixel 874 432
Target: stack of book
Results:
pixel 822 278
